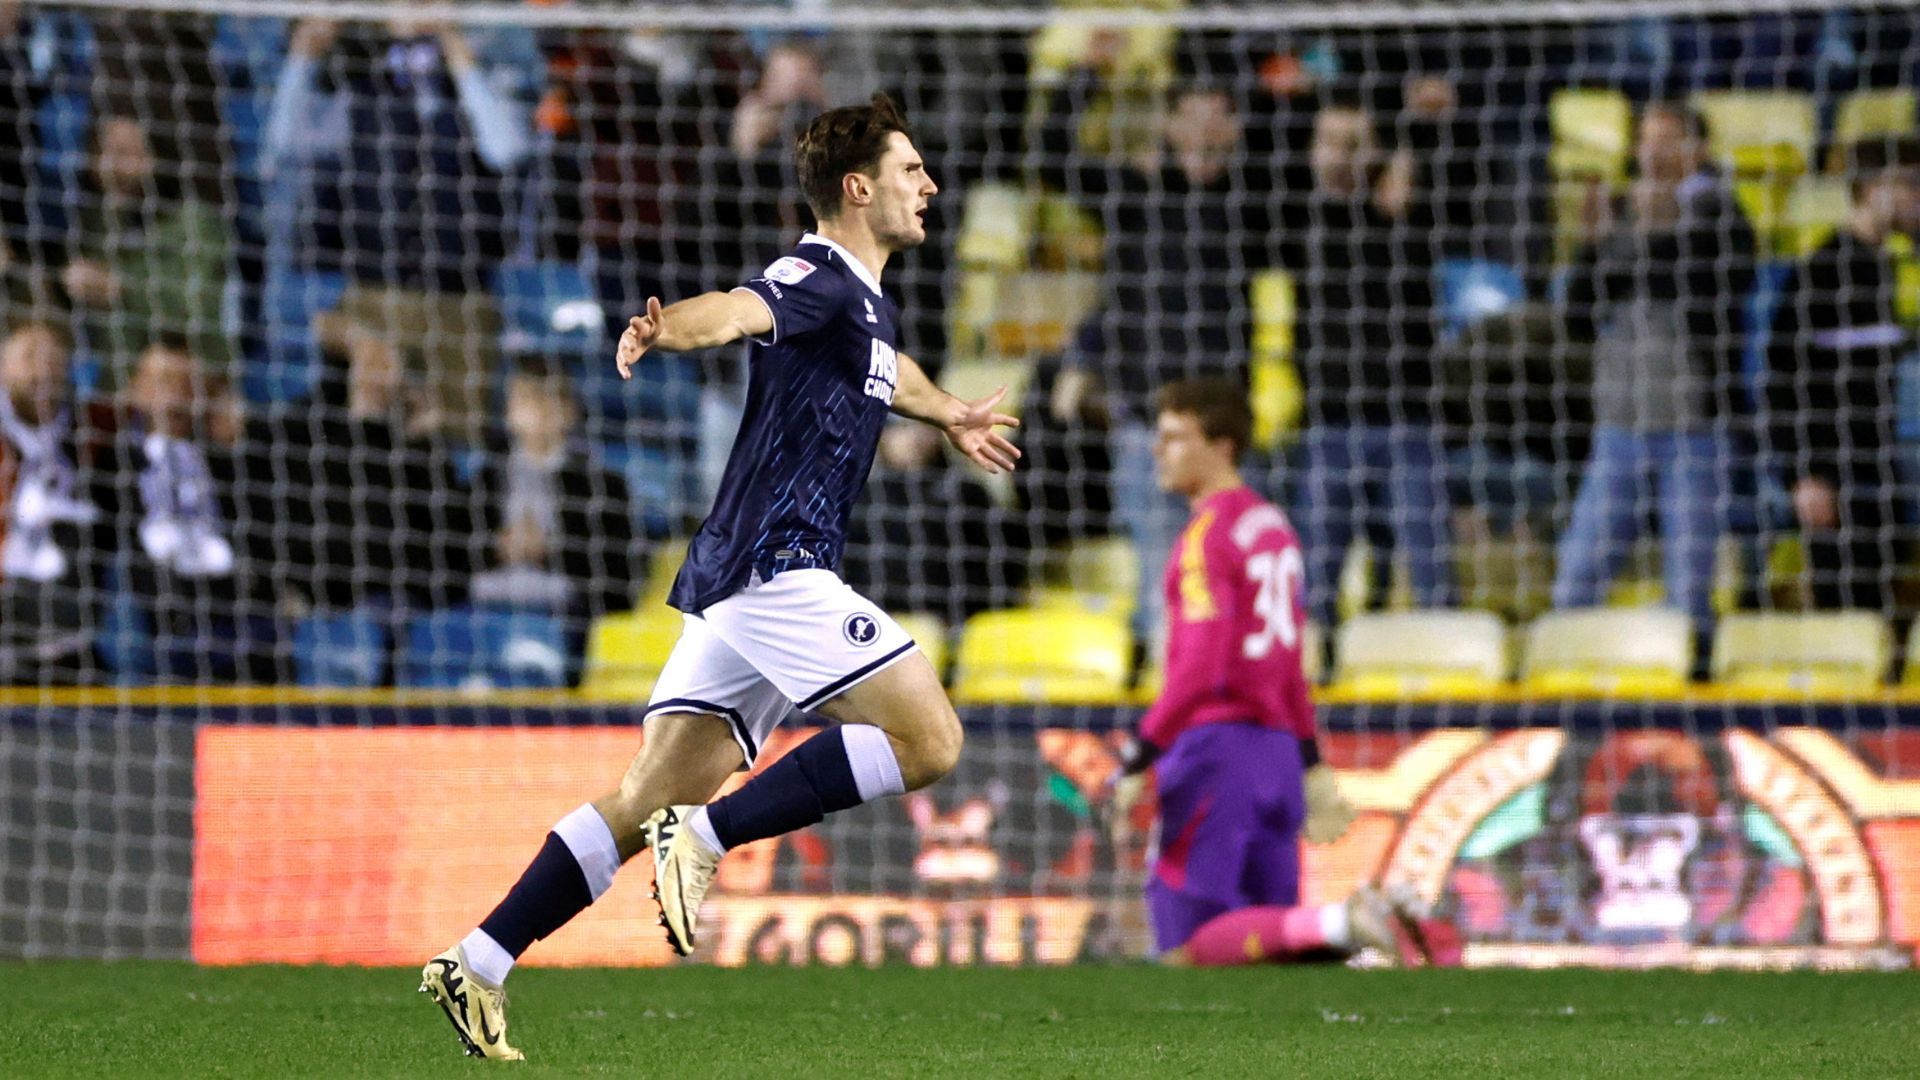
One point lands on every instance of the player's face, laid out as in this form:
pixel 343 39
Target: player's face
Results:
pixel 902 190
pixel 1183 457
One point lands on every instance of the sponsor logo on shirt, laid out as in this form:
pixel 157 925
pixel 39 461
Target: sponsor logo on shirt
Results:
pixel 883 372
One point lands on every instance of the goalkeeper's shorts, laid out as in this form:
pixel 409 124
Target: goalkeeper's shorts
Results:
pixel 1231 806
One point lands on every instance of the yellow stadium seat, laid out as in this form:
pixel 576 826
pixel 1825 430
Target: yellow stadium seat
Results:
pixel 661 570
pixel 1825 652
pixel 1592 133
pixel 1760 132
pixel 1818 206
pixel 1911 677
pixel 930 633
pixel 1050 656
pixel 625 652
pixel 996 228
pixel 1313 652
pixel 1435 652
pixel 1874 114
pixel 978 378
pixel 1646 652
pixel 1095 575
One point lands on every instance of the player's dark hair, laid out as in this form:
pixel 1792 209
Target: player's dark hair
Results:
pixel 1219 404
pixel 841 141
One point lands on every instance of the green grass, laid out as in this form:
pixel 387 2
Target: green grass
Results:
pixel 153 1019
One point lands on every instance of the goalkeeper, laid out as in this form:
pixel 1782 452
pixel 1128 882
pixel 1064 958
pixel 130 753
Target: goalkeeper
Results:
pixel 1231 738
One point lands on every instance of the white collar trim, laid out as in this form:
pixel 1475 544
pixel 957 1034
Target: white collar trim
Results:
pixel 859 268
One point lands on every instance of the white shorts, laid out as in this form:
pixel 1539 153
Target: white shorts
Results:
pixel 794 641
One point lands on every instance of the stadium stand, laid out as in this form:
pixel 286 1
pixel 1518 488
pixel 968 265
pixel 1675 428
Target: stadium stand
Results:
pixel 1463 281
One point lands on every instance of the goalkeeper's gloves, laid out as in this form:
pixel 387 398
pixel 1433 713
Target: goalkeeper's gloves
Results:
pixel 1128 784
pixel 1328 812
pixel 1127 790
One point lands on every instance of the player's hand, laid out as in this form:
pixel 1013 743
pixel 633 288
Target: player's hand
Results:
pixel 642 331
pixel 972 433
pixel 1328 812
pixel 1127 789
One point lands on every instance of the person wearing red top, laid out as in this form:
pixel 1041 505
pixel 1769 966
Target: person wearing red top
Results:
pixel 1231 740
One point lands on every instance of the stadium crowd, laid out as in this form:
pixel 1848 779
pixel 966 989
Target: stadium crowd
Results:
pixel 310 318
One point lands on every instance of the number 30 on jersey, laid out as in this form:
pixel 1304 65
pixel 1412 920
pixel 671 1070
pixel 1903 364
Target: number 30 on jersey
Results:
pixel 1277 577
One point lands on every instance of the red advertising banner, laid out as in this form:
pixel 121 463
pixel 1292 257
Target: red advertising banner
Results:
pixel 1546 847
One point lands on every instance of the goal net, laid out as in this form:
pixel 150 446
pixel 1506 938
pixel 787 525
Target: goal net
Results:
pixel 1579 340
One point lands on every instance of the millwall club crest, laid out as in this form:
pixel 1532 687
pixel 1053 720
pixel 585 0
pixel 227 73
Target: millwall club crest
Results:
pixel 860 629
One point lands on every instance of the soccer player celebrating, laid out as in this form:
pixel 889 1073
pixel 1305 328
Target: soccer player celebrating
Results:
pixel 769 625
pixel 1231 738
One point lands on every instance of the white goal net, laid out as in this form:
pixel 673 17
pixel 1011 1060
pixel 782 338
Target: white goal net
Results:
pixel 1579 337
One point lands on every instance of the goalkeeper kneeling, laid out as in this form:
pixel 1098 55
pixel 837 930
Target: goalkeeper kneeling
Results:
pixel 1231 740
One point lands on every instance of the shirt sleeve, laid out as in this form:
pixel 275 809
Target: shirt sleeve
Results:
pixel 1200 631
pixel 799 293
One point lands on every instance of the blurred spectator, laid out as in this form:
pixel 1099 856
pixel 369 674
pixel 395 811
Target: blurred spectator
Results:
pixel 151 256
pixel 24 240
pixel 765 213
pixel 46 564
pixel 1064 485
pixel 157 67
pixel 625 118
pixel 556 529
pixel 1449 206
pixel 408 144
pixel 928 537
pixel 638 184
pixel 1833 358
pixel 363 489
pixel 1371 454
pixel 169 490
pixel 1659 287
pixel 1184 229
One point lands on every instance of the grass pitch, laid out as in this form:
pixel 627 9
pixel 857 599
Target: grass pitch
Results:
pixel 157 1019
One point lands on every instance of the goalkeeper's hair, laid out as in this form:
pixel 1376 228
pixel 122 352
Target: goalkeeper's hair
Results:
pixel 1220 405
pixel 840 141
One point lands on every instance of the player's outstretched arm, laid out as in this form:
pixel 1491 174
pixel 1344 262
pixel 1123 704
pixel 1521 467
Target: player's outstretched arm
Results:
pixel 705 321
pixel 969 424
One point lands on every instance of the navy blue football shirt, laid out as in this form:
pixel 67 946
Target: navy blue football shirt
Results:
pixel 819 388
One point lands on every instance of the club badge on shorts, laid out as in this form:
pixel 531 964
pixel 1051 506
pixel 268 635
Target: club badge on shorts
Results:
pixel 860 629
